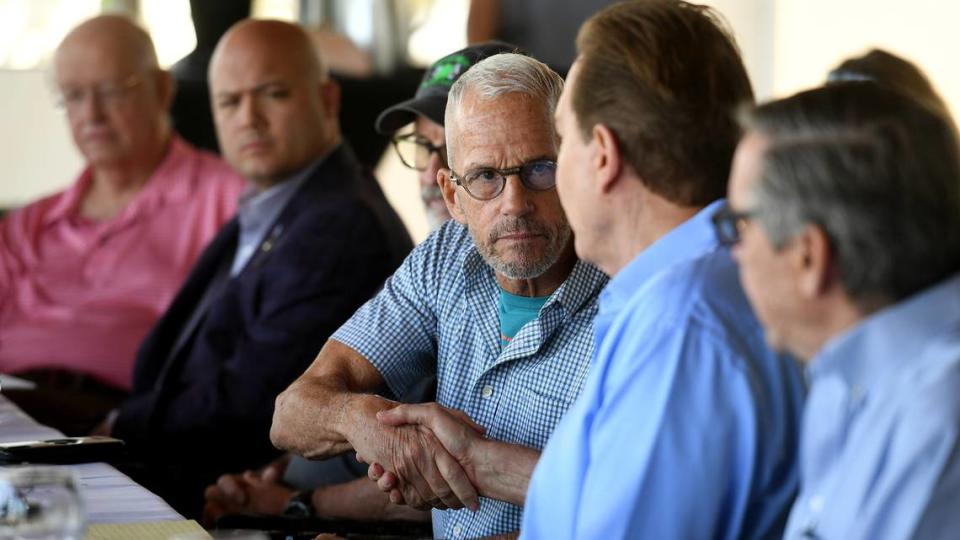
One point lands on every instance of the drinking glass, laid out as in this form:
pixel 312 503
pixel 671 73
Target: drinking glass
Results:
pixel 40 503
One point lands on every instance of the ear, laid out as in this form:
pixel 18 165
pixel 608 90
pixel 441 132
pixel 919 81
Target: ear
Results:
pixel 330 97
pixel 607 159
pixel 813 259
pixel 166 89
pixel 449 190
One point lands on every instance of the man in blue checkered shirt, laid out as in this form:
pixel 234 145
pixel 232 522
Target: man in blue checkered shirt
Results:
pixel 495 303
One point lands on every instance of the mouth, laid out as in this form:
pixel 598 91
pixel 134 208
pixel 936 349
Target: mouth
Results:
pixel 97 135
pixel 254 146
pixel 520 236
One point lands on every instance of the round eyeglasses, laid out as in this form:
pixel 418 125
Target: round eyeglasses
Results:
pixel 415 151
pixel 487 183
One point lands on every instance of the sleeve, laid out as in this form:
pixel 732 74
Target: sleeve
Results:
pixel 224 398
pixel 675 445
pixel 397 330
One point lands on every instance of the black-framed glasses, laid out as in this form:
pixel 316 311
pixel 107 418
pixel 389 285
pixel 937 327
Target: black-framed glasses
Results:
pixel 487 183
pixel 415 151
pixel 729 223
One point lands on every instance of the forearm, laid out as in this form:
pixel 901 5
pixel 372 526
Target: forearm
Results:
pixel 319 419
pixel 502 470
pixel 361 500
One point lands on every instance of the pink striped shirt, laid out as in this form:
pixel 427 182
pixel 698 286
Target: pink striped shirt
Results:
pixel 82 294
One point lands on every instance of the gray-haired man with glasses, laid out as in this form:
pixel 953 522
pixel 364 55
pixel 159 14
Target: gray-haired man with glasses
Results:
pixel 495 303
pixel 424 148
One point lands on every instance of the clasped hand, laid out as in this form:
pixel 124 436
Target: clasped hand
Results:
pixel 428 462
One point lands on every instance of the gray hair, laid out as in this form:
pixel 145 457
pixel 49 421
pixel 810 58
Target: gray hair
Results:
pixel 500 74
pixel 878 172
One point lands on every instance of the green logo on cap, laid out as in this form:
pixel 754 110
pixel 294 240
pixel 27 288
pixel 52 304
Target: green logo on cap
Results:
pixel 446 70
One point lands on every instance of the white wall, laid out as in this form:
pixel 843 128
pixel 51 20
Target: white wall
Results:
pixel 790 45
pixel 36 152
pixel 815 35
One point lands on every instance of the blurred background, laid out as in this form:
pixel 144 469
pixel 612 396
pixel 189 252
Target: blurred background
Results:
pixel 788 45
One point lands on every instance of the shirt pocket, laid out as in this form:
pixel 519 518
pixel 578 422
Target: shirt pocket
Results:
pixel 542 410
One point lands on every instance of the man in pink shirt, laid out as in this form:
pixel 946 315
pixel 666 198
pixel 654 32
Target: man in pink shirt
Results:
pixel 85 273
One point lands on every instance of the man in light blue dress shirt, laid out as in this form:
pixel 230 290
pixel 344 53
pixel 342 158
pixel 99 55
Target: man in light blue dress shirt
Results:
pixel 687 425
pixel 845 209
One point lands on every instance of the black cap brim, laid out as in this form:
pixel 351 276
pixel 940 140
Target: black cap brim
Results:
pixel 401 114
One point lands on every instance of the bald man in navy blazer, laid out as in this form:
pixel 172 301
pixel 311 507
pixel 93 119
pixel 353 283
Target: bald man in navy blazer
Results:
pixel 314 238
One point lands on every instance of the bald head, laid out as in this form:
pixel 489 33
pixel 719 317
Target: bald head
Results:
pixel 274 106
pixel 278 41
pixel 116 96
pixel 112 36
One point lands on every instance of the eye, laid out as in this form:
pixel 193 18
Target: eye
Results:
pixel 278 93
pixel 227 102
pixel 72 96
pixel 485 176
pixel 541 167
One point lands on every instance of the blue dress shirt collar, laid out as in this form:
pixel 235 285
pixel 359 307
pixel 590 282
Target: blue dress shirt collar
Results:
pixel 690 239
pixel 258 211
pixel 862 357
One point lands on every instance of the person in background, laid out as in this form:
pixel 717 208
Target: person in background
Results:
pixel 313 239
pixel 688 424
pixel 424 148
pixel 845 212
pixel 85 273
pixel 893 72
pixel 298 486
pixel 494 303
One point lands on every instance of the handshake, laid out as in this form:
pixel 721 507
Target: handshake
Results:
pixel 423 456
pixel 426 456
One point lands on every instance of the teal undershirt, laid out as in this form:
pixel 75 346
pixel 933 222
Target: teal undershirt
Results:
pixel 516 311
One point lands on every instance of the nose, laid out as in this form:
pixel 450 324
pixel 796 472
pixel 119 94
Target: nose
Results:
pixel 515 200
pixel 249 113
pixel 90 107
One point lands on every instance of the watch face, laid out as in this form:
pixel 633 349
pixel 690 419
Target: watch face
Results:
pixel 300 505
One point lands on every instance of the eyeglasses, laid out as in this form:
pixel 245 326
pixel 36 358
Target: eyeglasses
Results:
pixel 729 223
pixel 107 94
pixel 487 183
pixel 415 151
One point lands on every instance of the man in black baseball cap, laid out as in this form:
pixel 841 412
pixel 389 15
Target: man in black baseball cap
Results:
pixel 423 148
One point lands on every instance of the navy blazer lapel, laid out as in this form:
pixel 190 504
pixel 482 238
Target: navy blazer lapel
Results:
pixel 164 342
pixel 329 173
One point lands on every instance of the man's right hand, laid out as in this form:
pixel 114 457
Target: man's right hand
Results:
pixel 330 409
pixel 428 476
pixel 453 429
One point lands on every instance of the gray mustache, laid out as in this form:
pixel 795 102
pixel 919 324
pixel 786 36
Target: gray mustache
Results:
pixel 518 225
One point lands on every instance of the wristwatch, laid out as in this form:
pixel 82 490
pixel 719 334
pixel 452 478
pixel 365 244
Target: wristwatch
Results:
pixel 300 505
